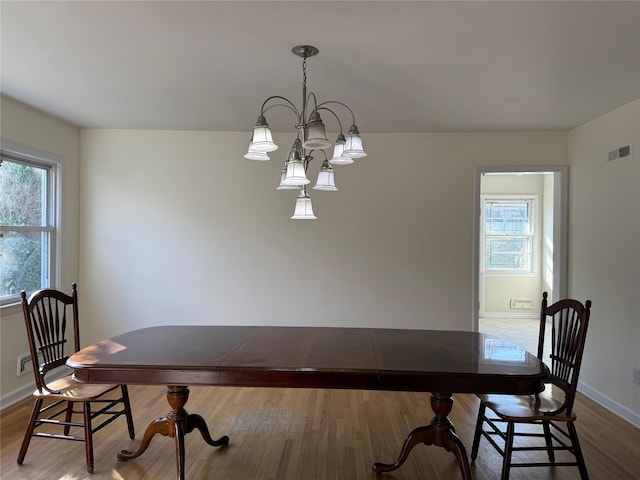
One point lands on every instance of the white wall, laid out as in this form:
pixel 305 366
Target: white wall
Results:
pixel 178 228
pixel 42 134
pixel 604 254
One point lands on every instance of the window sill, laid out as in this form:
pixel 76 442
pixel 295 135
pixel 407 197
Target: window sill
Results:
pixel 506 273
pixel 11 309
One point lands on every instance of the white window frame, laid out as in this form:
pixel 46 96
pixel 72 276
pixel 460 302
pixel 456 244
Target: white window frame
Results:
pixel 53 165
pixel 533 234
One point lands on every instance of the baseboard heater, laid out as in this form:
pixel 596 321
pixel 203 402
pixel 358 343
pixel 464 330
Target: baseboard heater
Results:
pixel 522 304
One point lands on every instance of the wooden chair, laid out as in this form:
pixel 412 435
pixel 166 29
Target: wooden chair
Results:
pixel 53 337
pixel 550 409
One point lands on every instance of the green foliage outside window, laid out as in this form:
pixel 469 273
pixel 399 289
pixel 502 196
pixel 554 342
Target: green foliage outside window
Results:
pixel 22 207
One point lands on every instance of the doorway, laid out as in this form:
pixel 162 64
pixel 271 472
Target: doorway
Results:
pixel 520 238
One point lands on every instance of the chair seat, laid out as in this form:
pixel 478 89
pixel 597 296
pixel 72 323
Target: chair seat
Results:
pixel 74 391
pixel 524 408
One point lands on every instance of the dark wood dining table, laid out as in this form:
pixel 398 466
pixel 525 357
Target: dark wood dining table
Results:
pixel 435 361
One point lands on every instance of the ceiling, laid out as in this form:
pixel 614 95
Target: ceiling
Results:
pixel 414 66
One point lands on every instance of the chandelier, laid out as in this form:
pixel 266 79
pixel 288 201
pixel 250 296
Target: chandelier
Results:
pixel 311 139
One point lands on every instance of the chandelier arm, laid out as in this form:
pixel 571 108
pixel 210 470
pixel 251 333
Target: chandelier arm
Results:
pixel 315 150
pixel 289 102
pixel 281 105
pixel 353 117
pixel 307 157
pixel 315 102
pixel 333 113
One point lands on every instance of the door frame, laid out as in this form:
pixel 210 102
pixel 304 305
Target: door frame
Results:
pixel 560 209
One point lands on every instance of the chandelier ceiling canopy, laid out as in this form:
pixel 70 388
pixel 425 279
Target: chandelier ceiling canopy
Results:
pixel 311 139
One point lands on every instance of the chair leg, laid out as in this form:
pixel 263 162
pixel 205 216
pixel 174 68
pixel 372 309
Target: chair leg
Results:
pixel 508 450
pixel 548 441
pixel 88 436
pixel 478 433
pixel 30 427
pixel 67 417
pixel 127 406
pixel 577 451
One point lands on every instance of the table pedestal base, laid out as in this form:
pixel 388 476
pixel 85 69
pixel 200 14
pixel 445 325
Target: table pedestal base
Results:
pixel 440 432
pixel 176 424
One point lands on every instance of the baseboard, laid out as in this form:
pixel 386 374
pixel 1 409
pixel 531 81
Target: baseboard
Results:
pixel 507 315
pixel 26 391
pixel 16 395
pixel 610 404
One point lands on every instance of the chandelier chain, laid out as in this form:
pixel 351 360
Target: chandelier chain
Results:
pixel 304 71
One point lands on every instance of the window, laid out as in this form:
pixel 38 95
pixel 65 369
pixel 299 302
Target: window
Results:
pixel 508 234
pixel 27 225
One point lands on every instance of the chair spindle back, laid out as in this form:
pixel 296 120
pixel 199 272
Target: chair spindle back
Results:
pixel 49 330
pixel 569 321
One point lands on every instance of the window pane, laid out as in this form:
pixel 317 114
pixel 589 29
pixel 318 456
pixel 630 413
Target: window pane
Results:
pixel 23 257
pixel 507 218
pixel 508 253
pixel 23 188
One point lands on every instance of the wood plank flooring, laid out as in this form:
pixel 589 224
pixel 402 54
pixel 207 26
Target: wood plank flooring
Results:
pixel 302 434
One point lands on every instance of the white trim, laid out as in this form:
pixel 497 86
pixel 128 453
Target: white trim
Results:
pixel 529 316
pixel 560 206
pixel 14 396
pixel 54 164
pixel 30 153
pixel 20 393
pixel 610 404
pixel 11 308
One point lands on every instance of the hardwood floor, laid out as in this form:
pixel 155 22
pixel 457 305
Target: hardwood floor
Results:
pixel 302 434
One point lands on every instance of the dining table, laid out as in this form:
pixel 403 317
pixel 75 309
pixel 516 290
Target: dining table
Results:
pixel 438 362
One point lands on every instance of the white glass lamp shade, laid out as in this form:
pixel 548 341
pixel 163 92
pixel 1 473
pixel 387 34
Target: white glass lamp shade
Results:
pixel 262 138
pixel 325 180
pixel 304 209
pixel 257 156
pixel 283 175
pixel 353 146
pixel 253 155
pixel 338 157
pixel 296 174
pixel 316 136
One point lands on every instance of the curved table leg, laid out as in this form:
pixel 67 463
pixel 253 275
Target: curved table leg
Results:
pixel 196 421
pixel 176 424
pixel 440 433
pixel 159 425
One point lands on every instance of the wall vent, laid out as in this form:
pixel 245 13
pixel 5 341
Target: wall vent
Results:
pixel 620 152
pixel 521 304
